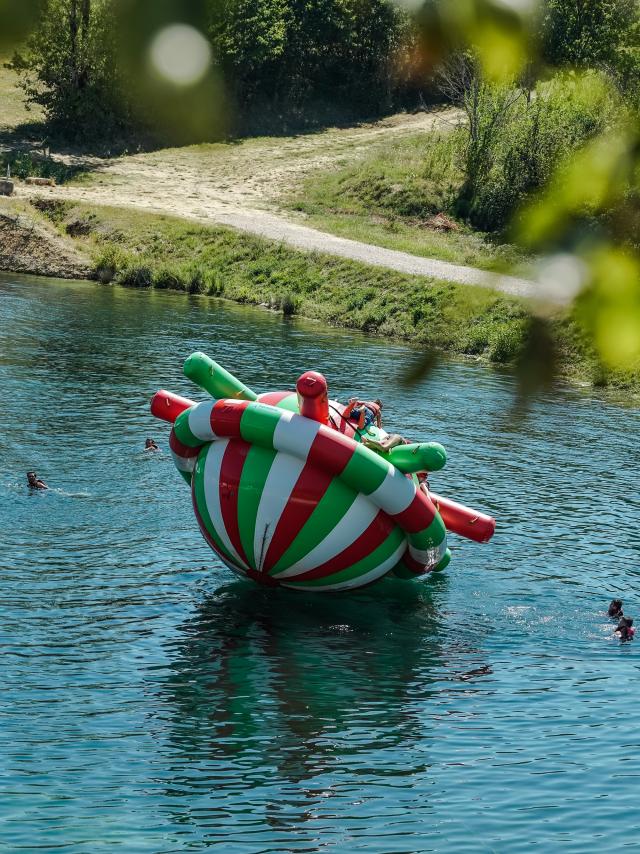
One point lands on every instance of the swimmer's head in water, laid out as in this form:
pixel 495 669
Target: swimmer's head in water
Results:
pixel 31 476
pixel 625 628
pixel 615 608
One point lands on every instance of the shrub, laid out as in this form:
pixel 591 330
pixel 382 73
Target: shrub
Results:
pixel 168 278
pixel 79 227
pixel 53 209
pixel 506 342
pixel 215 285
pixel 24 164
pixel 475 340
pixel 70 69
pixel 109 263
pixel 289 305
pixel 197 279
pixel 135 276
pixel 516 138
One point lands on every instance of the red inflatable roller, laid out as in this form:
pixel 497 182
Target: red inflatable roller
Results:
pixel 312 396
pixel 166 405
pixel 463 520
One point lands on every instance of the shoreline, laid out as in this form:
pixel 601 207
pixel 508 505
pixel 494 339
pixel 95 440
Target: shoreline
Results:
pixel 74 241
pixel 28 245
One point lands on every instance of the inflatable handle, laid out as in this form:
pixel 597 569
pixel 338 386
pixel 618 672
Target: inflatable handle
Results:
pixel 215 379
pixel 313 401
pixel 426 456
pixel 464 521
pixel 167 406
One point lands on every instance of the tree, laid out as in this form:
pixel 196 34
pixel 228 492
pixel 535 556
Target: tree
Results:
pixel 71 69
pixel 588 32
pixel 288 60
pixel 249 38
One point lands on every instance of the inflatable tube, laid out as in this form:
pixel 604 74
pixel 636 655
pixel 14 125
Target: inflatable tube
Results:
pixel 464 521
pixel 213 378
pixel 166 405
pixel 286 493
pixel 426 456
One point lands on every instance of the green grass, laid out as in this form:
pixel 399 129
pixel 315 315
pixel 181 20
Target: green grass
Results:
pixel 144 250
pixel 390 198
pixel 13 110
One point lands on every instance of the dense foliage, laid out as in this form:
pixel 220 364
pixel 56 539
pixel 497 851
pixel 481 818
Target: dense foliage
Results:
pixel 282 62
pixel 516 136
pixel 589 32
pixel 480 173
pixel 298 60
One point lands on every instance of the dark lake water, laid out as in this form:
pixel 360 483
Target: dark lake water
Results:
pixel 151 703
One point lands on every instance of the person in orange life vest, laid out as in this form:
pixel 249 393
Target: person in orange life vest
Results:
pixel 364 412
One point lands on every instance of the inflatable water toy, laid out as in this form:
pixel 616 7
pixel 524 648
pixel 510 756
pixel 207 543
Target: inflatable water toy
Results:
pixel 289 492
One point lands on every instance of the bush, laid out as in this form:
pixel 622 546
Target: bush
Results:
pixel 289 305
pixel 516 138
pixel 109 263
pixel 196 279
pixel 135 276
pixel 70 69
pixel 167 278
pixel 506 343
pixel 25 164
pixel 215 286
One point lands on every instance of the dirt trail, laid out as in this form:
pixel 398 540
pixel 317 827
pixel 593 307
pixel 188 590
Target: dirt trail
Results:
pixel 240 184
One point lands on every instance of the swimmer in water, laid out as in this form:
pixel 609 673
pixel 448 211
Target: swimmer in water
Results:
pixel 150 445
pixel 615 608
pixel 624 629
pixel 34 481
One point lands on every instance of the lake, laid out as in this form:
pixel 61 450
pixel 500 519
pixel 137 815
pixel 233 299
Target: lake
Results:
pixel 153 703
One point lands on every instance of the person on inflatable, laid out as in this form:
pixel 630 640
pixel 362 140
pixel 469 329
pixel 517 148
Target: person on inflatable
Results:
pixel 386 443
pixel 364 412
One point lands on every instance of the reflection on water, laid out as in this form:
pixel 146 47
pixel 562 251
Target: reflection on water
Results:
pixel 153 704
pixel 304 688
pixel 245 646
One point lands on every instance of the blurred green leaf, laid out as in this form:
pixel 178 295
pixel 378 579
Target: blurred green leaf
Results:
pixel 17 19
pixel 419 368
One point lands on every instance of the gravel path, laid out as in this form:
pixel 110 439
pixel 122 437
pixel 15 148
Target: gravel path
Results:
pixel 310 239
pixel 239 185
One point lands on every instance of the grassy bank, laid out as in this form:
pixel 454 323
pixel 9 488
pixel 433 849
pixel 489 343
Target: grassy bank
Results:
pixel 154 251
pixel 400 195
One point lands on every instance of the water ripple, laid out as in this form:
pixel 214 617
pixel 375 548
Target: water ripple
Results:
pixel 153 704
